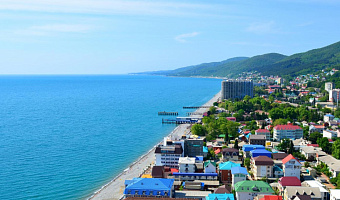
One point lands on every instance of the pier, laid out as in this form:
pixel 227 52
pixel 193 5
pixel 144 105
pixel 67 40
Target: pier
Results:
pixel 168 113
pixel 195 107
pixel 180 120
pixel 194 113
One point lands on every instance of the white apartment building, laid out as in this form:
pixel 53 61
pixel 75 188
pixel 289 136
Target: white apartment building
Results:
pixel 291 166
pixel 186 165
pixel 287 131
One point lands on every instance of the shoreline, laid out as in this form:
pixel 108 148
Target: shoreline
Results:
pixel 113 190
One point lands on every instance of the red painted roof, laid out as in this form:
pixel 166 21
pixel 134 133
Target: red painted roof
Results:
pixel 330 140
pixel 231 118
pixel 262 131
pixel 319 126
pixel 289 181
pixel 288 158
pixel 246 132
pixel 313 145
pixel 174 170
pixel 287 127
pixel 271 197
pixel 217 151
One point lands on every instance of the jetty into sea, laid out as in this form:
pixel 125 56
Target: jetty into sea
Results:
pixel 168 113
pixel 195 107
pixel 181 120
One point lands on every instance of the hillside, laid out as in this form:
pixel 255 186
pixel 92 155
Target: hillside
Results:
pixel 267 64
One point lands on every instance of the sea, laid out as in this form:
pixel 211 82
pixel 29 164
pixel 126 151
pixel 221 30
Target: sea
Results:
pixel 63 137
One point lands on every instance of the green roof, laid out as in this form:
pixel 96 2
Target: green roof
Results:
pixel 253 187
pixel 222 135
pixel 206 163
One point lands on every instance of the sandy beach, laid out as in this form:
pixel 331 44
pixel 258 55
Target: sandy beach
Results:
pixel 115 188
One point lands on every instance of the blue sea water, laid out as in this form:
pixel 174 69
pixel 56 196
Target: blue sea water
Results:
pixel 63 137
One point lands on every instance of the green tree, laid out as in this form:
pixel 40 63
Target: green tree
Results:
pixel 276 113
pixel 280 122
pixel 198 129
pixel 336 149
pixel 324 144
pixel 284 145
pixel 313 137
pixel 236 144
pixel 212 110
pixel 247 162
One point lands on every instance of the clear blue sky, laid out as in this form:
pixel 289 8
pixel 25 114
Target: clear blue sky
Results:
pixel 123 36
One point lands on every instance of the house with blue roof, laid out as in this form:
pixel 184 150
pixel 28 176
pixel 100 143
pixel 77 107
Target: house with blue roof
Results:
pixel 205 151
pixel 260 152
pixel 220 197
pixel 328 118
pixel 225 171
pixel 238 174
pixel 149 187
pixel 249 147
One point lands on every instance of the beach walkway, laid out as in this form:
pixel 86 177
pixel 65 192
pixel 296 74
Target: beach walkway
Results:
pixel 114 189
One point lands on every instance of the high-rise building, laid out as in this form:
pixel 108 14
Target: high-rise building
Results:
pixel 232 89
pixel 329 86
pixel 334 95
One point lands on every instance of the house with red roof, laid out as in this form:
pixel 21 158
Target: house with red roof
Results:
pixel 288 181
pixel 287 131
pixel 271 197
pixel 291 166
pixel 264 132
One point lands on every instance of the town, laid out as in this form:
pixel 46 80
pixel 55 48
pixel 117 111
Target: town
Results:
pixel 265 138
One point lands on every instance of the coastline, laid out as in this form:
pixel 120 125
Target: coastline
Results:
pixel 113 190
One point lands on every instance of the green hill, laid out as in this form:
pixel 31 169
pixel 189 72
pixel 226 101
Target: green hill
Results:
pixel 267 64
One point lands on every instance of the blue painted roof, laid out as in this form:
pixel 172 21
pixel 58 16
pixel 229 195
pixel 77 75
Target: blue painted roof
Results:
pixel 148 184
pixel 194 174
pixel 276 168
pixel 329 115
pixel 228 165
pixel 220 197
pixel 239 170
pixel 205 149
pixel 249 147
pixel 260 151
pixel 199 158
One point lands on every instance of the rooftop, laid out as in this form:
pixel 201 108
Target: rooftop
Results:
pixel 228 165
pixel 271 197
pixel 257 137
pixel 263 160
pixel 186 160
pixel 289 181
pixel 262 131
pixel 148 184
pixel 253 186
pixel 220 197
pixel 287 127
pixel 288 158
pixel 239 170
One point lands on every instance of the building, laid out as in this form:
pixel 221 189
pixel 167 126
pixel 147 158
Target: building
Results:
pixel 292 191
pixel 329 134
pixel 334 95
pixel 291 166
pixel 195 176
pixel 309 152
pixel 168 154
pixel 158 172
pixel 225 171
pixel 230 154
pixel 332 163
pixel 264 132
pixel 279 156
pixel 257 139
pixel 328 118
pixel 287 131
pixel 334 194
pixel 232 89
pixel 186 165
pixel 193 147
pixel 271 197
pixel 238 174
pixel 316 128
pixel 262 166
pixel 260 152
pixel 329 86
pixel 323 191
pixel 209 167
pixel 149 187
pixel 248 190
pixel 288 181
pixel 220 197
pixel 248 147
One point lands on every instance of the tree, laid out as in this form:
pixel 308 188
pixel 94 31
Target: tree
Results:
pixel 236 144
pixel 313 137
pixel 324 144
pixel 271 98
pixel 336 149
pixel 284 145
pixel 291 147
pixel 247 162
pixel 198 129
pixel 280 122
pixel 276 113
pixel 212 110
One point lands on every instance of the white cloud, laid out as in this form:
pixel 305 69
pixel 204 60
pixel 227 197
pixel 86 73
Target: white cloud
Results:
pixel 263 28
pixel 54 28
pixel 182 38
pixel 104 6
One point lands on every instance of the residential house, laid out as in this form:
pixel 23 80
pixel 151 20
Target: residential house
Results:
pixel 309 152
pixel 257 140
pixel 279 156
pixel 328 117
pixel 158 172
pixel 277 171
pixel 287 131
pixel 302 197
pixel 223 189
pixel 230 154
pixel 220 197
pixel 292 191
pixel 247 148
pixel 329 134
pixel 168 155
pixel 209 166
pixel 260 152
pixel 225 171
pixel 271 197
pixel 187 165
pixel 193 147
pixel 288 181
pixel 248 190
pixel 316 128
pixel 334 194
pixel 149 187
pixel 291 166
pixel 262 166
pixel 332 163
pixel 238 174
pixel 264 132
pixel 195 176
pixel 323 191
